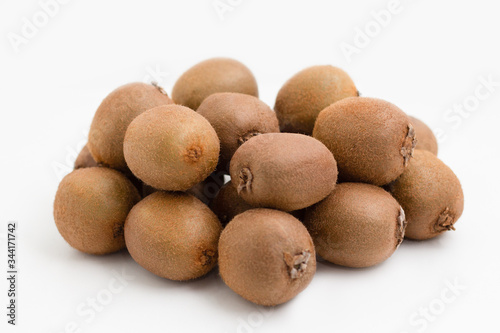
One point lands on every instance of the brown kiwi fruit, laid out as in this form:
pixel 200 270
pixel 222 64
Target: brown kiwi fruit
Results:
pixel 266 256
pixel 171 148
pixel 358 225
pixel 213 76
pixel 207 190
pixel 285 171
pixel 426 139
pixel 302 97
pixel 236 118
pixel 431 196
pixel 85 159
pixel 227 204
pixel 114 115
pixel 371 139
pixel 173 235
pixel 90 208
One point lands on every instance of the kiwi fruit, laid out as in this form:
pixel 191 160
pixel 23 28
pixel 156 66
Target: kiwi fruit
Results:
pixel 227 204
pixel 173 235
pixel 85 159
pixel 426 139
pixel 207 190
pixel 236 118
pixel 171 148
pixel 302 97
pixel 371 139
pixel 212 76
pixel 266 256
pixel 357 225
pixel 114 115
pixel 431 196
pixel 90 209
pixel 286 171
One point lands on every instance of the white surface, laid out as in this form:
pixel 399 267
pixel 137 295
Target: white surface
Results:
pixel 431 56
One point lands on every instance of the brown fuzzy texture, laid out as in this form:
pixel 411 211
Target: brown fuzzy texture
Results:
pixel 302 97
pixel 90 209
pixel 266 256
pixel 173 235
pixel 171 148
pixel 426 139
pixel 358 225
pixel 85 159
pixel 237 118
pixel 431 195
pixel 371 139
pixel 212 76
pixel 227 204
pixel 114 115
pixel 285 171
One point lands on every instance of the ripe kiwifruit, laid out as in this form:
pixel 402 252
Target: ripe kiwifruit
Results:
pixel 114 115
pixel 357 225
pixel 283 170
pixel 90 208
pixel 371 139
pixel 266 256
pixel 236 118
pixel 213 76
pixel 207 190
pixel 431 195
pixel 227 204
pixel 171 148
pixel 426 139
pixel 85 159
pixel 173 235
pixel 302 97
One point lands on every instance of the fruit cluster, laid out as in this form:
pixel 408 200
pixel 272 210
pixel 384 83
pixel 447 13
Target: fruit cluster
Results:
pixel 327 172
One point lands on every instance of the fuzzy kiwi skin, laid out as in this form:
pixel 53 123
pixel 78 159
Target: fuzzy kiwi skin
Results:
pixel 431 195
pixel 285 171
pixel 426 139
pixel 357 225
pixel 171 148
pixel 85 159
pixel 114 115
pixel 212 76
pixel 236 118
pixel 302 97
pixel 90 209
pixel 266 256
pixel 173 235
pixel 227 204
pixel 371 139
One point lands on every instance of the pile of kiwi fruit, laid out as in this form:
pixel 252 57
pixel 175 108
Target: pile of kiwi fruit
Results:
pixel 214 177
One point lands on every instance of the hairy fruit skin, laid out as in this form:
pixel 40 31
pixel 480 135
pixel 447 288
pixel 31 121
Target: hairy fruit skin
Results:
pixel 426 139
pixel 266 256
pixel 227 204
pixel 85 159
pixel 431 195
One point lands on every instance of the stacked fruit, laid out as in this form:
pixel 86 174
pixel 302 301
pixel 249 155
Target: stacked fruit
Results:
pixel 342 179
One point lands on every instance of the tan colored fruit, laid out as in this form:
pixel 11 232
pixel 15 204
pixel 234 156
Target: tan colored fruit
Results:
pixel 236 118
pixel 285 171
pixel 90 208
pixel 173 235
pixel 371 139
pixel 171 148
pixel 114 115
pixel 207 190
pixel 302 97
pixel 85 159
pixel 266 256
pixel 212 76
pixel 227 204
pixel 426 139
pixel 431 195
pixel 358 225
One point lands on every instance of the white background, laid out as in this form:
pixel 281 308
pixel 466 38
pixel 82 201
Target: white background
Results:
pixel 431 56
